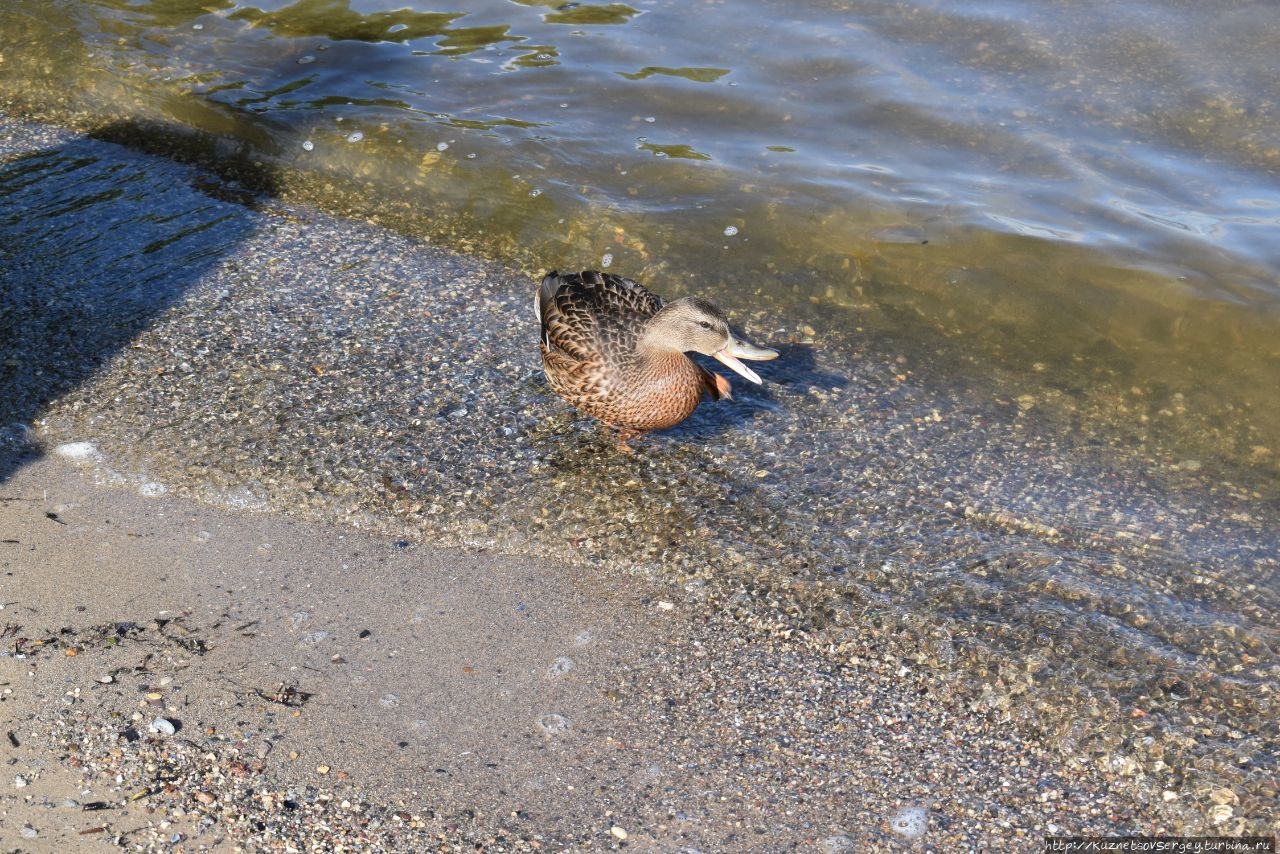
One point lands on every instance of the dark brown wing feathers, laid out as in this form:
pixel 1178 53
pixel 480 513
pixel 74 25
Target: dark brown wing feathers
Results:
pixel 585 313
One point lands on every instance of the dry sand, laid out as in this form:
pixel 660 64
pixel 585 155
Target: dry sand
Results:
pixel 336 691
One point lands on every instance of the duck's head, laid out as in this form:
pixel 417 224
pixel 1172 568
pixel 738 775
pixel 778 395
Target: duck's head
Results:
pixel 693 324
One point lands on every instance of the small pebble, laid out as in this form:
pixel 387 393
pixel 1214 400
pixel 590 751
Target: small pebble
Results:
pixel 29 832
pixel 554 724
pixel 618 832
pixel 19 782
pixel 164 726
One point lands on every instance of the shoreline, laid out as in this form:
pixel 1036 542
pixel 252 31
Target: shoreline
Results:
pixel 980 627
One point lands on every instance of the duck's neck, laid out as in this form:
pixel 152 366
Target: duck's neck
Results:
pixel 653 361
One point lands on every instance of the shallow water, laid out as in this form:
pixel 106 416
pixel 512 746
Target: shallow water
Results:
pixel 1020 263
pixel 1084 195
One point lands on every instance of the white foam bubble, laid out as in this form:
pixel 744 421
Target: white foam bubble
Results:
pixel 910 823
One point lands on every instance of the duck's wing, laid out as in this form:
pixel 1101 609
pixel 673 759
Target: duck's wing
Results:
pixel 589 314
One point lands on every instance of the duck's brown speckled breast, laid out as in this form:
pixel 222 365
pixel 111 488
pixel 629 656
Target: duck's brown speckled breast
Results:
pixel 652 396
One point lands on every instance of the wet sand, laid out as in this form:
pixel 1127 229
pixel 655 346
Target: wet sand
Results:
pixel 330 689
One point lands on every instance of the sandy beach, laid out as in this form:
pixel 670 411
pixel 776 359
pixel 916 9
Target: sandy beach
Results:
pixel 336 691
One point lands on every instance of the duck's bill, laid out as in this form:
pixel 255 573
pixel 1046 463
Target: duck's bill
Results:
pixel 739 349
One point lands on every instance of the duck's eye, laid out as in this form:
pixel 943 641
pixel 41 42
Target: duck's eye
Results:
pixel 705 324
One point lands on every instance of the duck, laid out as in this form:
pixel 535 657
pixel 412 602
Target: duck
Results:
pixel 617 352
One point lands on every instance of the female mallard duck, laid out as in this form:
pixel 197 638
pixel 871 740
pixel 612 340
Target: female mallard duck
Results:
pixel 617 351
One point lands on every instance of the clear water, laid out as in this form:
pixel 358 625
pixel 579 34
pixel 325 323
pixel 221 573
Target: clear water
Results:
pixel 1086 193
